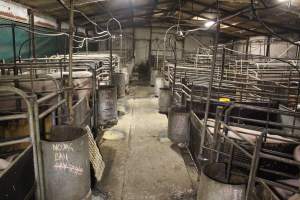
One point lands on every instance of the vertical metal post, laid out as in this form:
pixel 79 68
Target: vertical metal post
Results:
pixel 150 48
pixel 13 31
pixel 39 159
pixel 175 71
pixel 32 129
pixel 58 41
pixel 16 82
pixel 156 67
pixel 222 67
pixel 111 60
pixel 191 98
pixel 66 47
pixel 121 50
pixel 196 61
pixel 87 47
pixel 247 47
pixel 87 43
pixel 268 46
pixel 232 46
pixel 215 155
pixel 229 164
pixel 254 166
pixel 107 45
pixel 32 36
pixel 70 82
pixel 95 104
pixel 183 96
pixel 211 80
pixel 183 48
pixel 133 41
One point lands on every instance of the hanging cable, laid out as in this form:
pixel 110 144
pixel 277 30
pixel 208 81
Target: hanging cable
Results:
pixel 62 2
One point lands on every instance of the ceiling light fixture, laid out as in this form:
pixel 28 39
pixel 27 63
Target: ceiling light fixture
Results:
pixel 208 24
pixel 198 18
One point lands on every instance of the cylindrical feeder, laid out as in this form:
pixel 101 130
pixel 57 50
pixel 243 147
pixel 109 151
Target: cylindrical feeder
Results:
pixel 66 164
pixel 118 80
pixel 125 71
pixel 166 83
pixel 154 74
pixel 214 186
pixel 159 83
pixel 164 100
pixel 178 125
pixel 107 112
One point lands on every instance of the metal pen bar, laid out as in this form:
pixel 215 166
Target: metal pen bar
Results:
pixel 15 141
pixel 13 117
pixel 51 109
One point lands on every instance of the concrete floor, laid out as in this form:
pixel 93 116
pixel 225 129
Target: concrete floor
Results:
pixel 140 166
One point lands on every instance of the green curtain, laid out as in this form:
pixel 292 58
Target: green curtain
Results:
pixel 45 45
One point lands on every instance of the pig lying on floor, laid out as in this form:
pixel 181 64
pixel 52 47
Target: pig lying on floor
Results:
pixel 4 163
pixel 285 194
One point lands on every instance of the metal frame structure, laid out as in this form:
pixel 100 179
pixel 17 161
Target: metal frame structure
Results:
pixel 34 116
pixel 251 84
pixel 36 70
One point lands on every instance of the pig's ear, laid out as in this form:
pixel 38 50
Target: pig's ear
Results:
pixel 297 153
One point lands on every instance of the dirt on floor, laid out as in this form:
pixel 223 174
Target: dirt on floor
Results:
pixel 141 166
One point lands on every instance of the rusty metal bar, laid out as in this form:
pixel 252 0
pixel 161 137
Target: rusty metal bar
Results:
pixel 254 166
pixel 34 132
pixel 70 82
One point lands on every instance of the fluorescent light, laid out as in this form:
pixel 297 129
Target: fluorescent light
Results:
pixel 198 18
pixel 224 26
pixel 209 24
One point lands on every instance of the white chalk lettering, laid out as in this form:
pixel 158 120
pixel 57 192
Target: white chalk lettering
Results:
pixel 62 147
pixel 76 170
pixel 61 157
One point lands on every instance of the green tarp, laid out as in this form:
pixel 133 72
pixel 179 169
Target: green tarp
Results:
pixel 45 45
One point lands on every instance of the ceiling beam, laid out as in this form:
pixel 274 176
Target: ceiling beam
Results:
pixel 122 10
pixel 295 30
pixel 126 17
pixel 227 24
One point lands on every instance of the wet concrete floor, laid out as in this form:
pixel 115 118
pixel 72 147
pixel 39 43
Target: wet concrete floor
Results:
pixel 141 166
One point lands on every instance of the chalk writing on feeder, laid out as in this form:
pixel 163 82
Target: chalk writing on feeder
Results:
pixel 62 147
pixel 61 157
pixel 76 170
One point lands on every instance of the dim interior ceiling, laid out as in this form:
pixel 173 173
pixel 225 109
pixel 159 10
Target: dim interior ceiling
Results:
pixel 282 16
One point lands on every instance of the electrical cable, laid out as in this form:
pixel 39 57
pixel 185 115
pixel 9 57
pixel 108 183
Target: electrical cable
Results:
pixel 94 39
pixel 107 32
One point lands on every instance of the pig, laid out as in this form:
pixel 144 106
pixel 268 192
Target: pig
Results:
pixel 3 164
pixel 295 197
pixel 285 194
